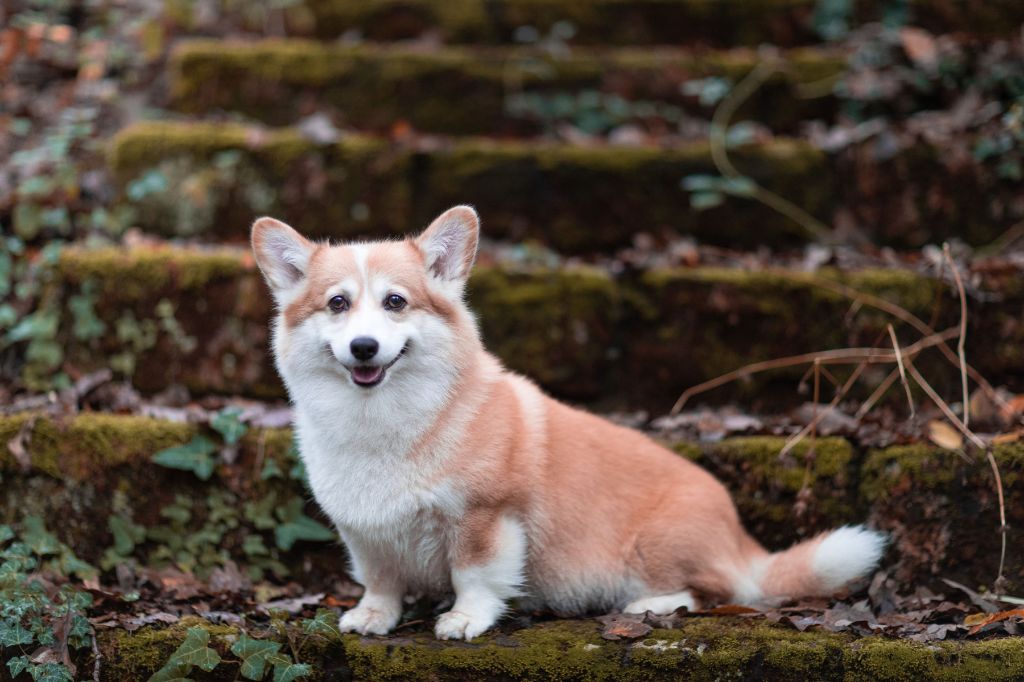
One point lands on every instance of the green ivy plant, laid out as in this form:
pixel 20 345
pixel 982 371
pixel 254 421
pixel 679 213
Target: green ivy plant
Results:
pixel 40 625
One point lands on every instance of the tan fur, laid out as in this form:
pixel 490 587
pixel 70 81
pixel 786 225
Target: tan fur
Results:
pixel 608 515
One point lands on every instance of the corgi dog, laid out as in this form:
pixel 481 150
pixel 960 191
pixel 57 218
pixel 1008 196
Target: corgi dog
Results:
pixel 446 473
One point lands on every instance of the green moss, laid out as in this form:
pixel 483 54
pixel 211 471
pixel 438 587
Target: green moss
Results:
pixel 831 458
pixel 701 649
pixel 378 190
pixel 137 655
pixel 144 271
pixel 375 86
pixel 85 445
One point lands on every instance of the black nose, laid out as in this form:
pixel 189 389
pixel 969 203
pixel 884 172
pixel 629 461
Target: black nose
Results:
pixel 364 347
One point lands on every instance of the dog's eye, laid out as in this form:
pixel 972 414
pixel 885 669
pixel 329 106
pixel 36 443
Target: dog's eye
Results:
pixel 338 304
pixel 394 302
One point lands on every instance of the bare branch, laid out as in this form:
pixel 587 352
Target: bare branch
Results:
pixel 960 346
pixel 839 356
pixel 946 409
pixel 902 370
pixel 1003 528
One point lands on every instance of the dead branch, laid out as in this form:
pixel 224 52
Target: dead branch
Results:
pixel 917 323
pixel 902 370
pixel 960 345
pixel 840 356
pixel 1003 528
pixel 944 407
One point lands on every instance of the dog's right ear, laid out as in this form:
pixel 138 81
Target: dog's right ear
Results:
pixel 282 253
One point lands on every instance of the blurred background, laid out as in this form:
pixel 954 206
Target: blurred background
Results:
pixel 731 202
pixel 657 179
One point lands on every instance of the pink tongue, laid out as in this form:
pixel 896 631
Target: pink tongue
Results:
pixel 366 375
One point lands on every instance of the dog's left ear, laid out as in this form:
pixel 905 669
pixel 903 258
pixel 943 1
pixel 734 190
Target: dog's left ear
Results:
pixel 449 244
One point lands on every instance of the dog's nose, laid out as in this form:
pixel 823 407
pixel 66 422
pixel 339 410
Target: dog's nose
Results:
pixel 364 347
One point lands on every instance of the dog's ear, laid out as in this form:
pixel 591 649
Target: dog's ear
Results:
pixel 449 244
pixel 282 253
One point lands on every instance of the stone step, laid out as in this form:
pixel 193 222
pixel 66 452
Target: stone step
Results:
pixel 551 193
pixel 705 648
pixel 940 508
pixel 364 186
pixel 473 91
pixel 619 22
pixel 199 317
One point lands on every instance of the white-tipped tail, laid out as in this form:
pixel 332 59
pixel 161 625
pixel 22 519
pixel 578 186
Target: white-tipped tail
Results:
pixel 846 554
pixel 817 567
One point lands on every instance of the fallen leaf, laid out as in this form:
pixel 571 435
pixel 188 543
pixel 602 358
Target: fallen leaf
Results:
pixel 991 618
pixel 18 446
pixel 944 435
pixel 624 626
pixel 920 46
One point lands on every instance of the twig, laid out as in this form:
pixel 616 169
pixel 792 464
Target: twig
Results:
pixel 764 70
pixel 876 395
pixel 914 321
pixel 838 356
pixel 818 416
pixel 1002 519
pixel 946 409
pixel 97 657
pixel 960 345
pixel 902 370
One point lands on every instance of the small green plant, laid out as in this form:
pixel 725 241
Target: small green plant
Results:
pixel 204 532
pixel 41 623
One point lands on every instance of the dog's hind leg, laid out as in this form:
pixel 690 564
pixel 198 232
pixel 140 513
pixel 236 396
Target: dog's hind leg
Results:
pixel 487 569
pixel 662 605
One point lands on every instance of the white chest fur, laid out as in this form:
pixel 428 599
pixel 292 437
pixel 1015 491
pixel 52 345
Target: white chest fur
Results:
pixel 380 501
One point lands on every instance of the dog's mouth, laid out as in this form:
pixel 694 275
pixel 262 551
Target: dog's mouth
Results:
pixel 369 376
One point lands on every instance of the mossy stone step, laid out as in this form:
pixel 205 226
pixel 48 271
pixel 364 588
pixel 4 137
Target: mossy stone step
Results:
pixel 940 509
pixel 620 22
pixel 707 648
pixel 364 186
pixel 217 177
pixel 468 91
pixel 201 318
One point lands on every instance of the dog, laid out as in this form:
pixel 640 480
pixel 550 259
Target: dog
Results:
pixel 444 472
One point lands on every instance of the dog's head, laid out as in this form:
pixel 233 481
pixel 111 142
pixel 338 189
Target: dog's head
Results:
pixel 372 312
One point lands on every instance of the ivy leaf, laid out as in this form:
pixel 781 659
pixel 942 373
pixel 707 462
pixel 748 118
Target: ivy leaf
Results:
pixel 289 671
pixel 228 425
pixel 126 534
pixel 271 469
pixel 192 652
pixel 6 533
pixel 51 672
pixel 302 528
pixel 254 654
pixel 13 634
pixel 41 541
pixel 324 623
pixel 704 200
pixel 18 665
pixel 195 456
pixel 295 526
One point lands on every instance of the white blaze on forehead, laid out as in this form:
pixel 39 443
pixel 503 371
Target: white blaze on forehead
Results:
pixel 362 254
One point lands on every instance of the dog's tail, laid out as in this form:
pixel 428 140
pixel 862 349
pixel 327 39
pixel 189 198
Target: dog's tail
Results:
pixel 820 566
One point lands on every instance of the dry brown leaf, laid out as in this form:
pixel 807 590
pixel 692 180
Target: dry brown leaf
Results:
pixel 1004 438
pixel 18 446
pixel 624 626
pixel 944 435
pixel 980 620
pixel 920 46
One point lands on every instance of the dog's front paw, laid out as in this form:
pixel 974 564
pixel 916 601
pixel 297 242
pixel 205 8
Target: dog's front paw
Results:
pixel 460 625
pixel 367 620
